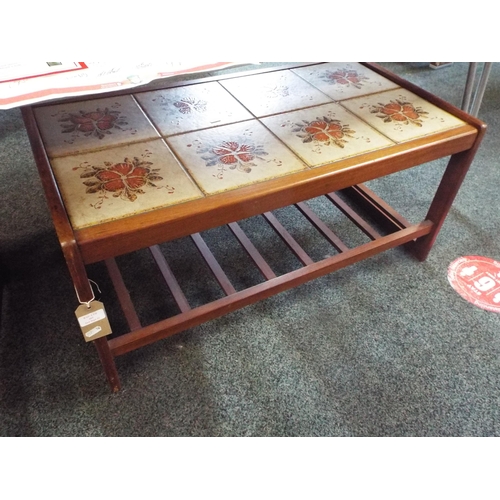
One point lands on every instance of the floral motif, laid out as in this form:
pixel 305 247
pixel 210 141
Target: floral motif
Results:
pixel 344 76
pixel 97 123
pixel 400 112
pixel 188 104
pixel 237 155
pixel 124 180
pixel 326 131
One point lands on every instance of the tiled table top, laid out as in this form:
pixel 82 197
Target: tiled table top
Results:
pixel 116 157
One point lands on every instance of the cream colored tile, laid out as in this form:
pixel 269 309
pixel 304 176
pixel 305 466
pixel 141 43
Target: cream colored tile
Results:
pixel 96 124
pixel 344 80
pixel 193 107
pixel 275 92
pixel 119 182
pixel 402 115
pixel 231 156
pixel 325 134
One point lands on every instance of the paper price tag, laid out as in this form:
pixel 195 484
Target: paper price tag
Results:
pixel 93 320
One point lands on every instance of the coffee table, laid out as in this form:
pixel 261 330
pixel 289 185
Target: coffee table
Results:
pixel 131 170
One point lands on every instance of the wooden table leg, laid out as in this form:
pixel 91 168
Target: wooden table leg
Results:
pixel 85 294
pixel 67 240
pixel 445 195
pixel 108 363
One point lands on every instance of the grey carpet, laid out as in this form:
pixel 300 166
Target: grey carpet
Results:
pixel 382 348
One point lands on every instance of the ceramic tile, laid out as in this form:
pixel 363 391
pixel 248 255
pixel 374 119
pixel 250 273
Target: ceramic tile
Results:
pixel 96 124
pixel 402 115
pixel 193 107
pixel 325 134
pixel 231 156
pixel 344 80
pixel 275 92
pixel 119 182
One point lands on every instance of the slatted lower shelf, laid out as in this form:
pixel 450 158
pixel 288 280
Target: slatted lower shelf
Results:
pixel 400 232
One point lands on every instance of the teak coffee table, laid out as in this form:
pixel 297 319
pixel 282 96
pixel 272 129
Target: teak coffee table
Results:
pixel 132 170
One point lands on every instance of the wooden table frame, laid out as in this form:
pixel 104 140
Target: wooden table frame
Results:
pixel 106 241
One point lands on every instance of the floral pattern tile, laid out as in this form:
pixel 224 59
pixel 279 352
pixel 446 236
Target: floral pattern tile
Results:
pixel 276 92
pixel 193 107
pixel 402 115
pixel 344 80
pixel 232 156
pixel 325 134
pixel 110 184
pixel 110 161
pixel 95 124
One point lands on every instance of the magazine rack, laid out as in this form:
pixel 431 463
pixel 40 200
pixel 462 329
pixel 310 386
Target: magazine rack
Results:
pixel 131 170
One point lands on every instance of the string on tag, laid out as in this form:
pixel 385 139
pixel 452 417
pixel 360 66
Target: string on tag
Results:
pixel 93 294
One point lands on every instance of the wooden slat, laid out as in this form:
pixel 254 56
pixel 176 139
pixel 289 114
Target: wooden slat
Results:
pixel 377 207
pixel 171 326
pixel 215 267
pixel 254 254
pixel 123 295
pixel 288 239
pixel 322 227
pixel 169 278
pixel 353 216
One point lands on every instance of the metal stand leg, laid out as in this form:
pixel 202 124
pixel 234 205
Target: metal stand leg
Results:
pixel 478 99
pixel 469 85
pixel 469 104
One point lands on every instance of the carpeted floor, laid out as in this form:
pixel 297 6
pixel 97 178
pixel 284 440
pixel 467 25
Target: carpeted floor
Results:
pixel 383 348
